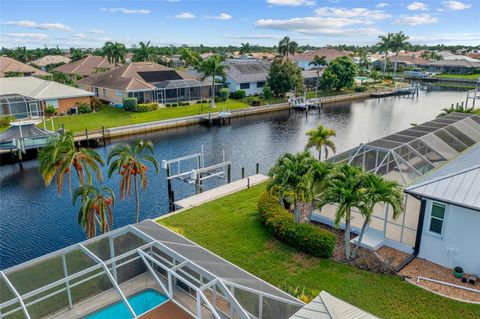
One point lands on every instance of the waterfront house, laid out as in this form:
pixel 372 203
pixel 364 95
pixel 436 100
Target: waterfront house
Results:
pixel 148 82
pixel 303 59
pixel 249 75
pixel 50 60
pixel 9 66
pixel 449 56
pixel 89 65
pixel 20 96
pixel 453 66
pixel 449 213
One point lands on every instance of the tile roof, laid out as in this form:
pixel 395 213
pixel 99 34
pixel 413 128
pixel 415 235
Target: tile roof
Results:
pixel 87 66
pixel 11 65
pixel 328 53
pixel 51 59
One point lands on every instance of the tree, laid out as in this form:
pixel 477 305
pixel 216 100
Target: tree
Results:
pixel 245 48
pixel 375 76
pixel 22 54
pixel 284 77
pixel 378 190
pixel 144 53
pixel 286 47
pixel 212 67
pixel 345 71
pixel 384 45
pixel 329 80
pixel 457 108
pixel 398 43
pixel 59 156
pixel 190 57
pixel 344 189
pixel 318 62
pixel 76 54
pixel 95 208
pixel 114 52
pixel 320 138
pixel 130 162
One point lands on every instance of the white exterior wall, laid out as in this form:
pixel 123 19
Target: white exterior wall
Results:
pixel 459 244
pixel 234 86
pixel 304 64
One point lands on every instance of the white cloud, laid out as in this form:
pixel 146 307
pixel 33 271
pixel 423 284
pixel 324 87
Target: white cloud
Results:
pixel 362 13
pixel 185 15
pixel 223 16
pixel 96 31
pixel 41 26
pixel 417 6
pixel 419 19
pixel 458 38
pixel 32 36
pixel 256 37
pixel 291 3
pixel 126 11
pixel 382 5
pixel 456 5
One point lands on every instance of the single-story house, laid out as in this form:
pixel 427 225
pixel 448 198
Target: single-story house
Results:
pixel 303 59
pixel 28 90
pixel 50 60
pixel 9 65
pixel 452 66
pixel 148 82
pixel 247 74
pixel 449 226
pixel 449 56
pixel 89 65
pixel 401 60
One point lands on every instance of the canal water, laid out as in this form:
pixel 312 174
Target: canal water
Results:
pixel 35 221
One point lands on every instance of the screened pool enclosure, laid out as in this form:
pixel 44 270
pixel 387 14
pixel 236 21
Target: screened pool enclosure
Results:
pixel 404 157
pixel 83 278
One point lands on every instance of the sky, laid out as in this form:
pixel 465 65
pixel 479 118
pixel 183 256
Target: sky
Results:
pixel 89 23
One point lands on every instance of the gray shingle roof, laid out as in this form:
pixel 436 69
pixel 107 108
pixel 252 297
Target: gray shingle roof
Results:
pixel 246 72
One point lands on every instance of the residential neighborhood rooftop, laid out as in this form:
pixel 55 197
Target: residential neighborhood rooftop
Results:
pixel 328 53
pixel 51 59
pixel 89 65
pixel 11 65
pixel 247 71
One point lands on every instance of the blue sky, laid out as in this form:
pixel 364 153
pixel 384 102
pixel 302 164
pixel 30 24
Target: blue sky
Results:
pixel 88 23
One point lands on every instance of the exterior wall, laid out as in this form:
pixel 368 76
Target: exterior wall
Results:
pixel 66 104
pixel 448 69
pixel 234 86
pixel 459 244
pixel 302 64
pixel 111 95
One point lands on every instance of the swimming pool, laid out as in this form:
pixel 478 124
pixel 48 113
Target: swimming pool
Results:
pixel 141 302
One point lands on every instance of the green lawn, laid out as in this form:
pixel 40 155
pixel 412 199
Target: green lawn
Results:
pixel 458 76
pixel 230 227
pixel 113 117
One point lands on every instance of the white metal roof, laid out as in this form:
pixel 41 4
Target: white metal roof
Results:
pixel 457 182
pixel 326 306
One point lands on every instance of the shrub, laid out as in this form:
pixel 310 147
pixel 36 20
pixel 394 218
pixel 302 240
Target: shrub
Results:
pixel 267 92
pixel 50 110
pixel 224 94
pixel 205 101
pixel 253 101
pixel 84 108
pixel 174 104
pixel 360 89
pixel 238 94
pixel 218 99
pixel 184 103
pixel 5 121
pixel 304 237
pixel 147 107
pixel 130 104
pixel 199 101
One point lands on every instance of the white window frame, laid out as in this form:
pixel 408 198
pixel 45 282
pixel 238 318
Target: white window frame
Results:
pixel 444 220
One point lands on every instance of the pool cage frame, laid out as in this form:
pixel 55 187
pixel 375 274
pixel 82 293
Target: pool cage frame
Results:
pixel 172 272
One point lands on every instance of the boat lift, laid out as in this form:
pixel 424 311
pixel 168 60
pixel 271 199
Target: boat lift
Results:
pixel 194 176
pixel 473 95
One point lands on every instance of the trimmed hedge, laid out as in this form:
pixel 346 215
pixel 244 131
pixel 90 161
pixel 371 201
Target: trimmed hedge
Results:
pixel 238 94
pixel 147 107
pixel 130 104
pixel 304 237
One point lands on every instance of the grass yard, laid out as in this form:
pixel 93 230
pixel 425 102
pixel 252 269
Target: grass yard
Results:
pixel 230 227
pixel 458 76
pixel 112 117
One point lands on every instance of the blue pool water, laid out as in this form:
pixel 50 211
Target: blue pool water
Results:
pixel 141 302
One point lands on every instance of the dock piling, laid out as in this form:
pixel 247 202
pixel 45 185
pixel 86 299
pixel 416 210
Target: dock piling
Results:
pixel 257 169
pixel 243 172
pixel 103 136
pixel 86 137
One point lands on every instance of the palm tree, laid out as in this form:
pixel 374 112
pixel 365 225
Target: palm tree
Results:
pixel 145 53
pixel 114 52
pixel 344 189
pixel 374 75
pixel 59 156
pixel 319 174
pixel 95 208
pixel 458 109
pixel 245 48
pixel 378 190
pixel 320 138
pixel 22 54
pixel 190 57
pixel 318 62
pixel 286 47
pixel 129 161
pixel 212 67
pixel 384 45
pixel 398 43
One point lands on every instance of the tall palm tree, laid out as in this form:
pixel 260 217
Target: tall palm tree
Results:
pixel 212 67
pixel 378 190
pixel 384 45
pixel 114 52
pixel 130 162
pixel 344 189
pixel 190 57
pixel 286 47
pixel 320 138
pixel 399 42
pixel 320 171
pixel 457 108
pixel 23 55
pixel 245 48
pixel 95 208
pixel 318 62
pixel 145 53
pixel 59 156
pixel 374 75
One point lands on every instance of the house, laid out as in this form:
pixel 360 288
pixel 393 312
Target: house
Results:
pixel 449 223
pixel 9 65
pixel 247 74
pixel 406 61
pixel 303 59
pixel 453 66
pixel 148 82
pixel 449 56
pixel 89 65
pixel 47 60
pixel 31 89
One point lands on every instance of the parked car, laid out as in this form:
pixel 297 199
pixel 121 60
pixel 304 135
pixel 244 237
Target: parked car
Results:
pixel 416 73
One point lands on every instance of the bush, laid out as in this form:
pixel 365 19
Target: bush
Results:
pixel 253 101
pixel 224 94
pixel 238 94
pixel 360 89
pixel 304 237
pixel 5 121
pixel 84 108
pixel 174 104
pixel 147 107
pixel 205 101
pixel 130 104
pixel 184 103
pixel 50 110
pixel 267 92
pixel 218 99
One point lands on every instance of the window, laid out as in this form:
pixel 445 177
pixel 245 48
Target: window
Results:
pixel 118 93
pixel 260 84
pixel 105 93
pixel 95 90
pixel 244 86
pixel 437 218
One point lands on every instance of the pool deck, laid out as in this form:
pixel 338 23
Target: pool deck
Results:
pixel 167 310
